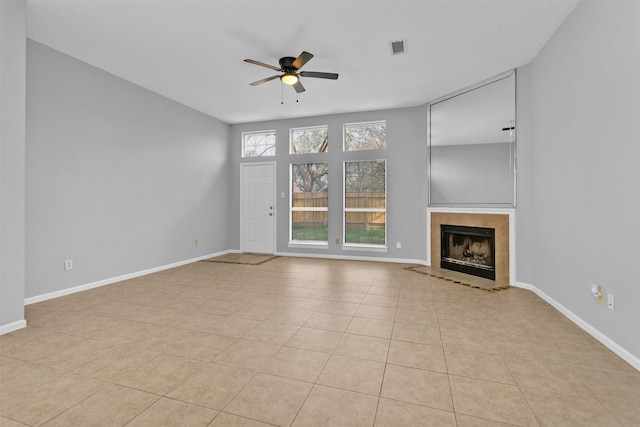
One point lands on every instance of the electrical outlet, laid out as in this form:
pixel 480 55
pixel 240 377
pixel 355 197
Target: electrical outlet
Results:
pixel 611 302
pixel 337 241
pixel 196 242
pixel 398 245
pixel 68 264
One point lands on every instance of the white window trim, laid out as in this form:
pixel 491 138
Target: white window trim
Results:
pixel 363 246
pixel 308 244
pixel 372 122
pixel 291 130
pixel 268 131
pixel 324 244
pixel 305 209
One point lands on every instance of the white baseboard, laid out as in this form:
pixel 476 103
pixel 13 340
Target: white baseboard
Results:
pixel 352 258
pixel 13 326
pixel 608 342
pixel 111 280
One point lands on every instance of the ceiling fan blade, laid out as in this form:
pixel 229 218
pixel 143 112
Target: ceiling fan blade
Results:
pixel 262 64
pixel 332 76
pixel 301 60
pixel 259 82
pixel 298 87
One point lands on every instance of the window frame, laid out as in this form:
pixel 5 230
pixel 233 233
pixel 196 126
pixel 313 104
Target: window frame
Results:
pixel 302 243
pixel 361 124
pixel 291 130
pixel 267 133
pixel 363 246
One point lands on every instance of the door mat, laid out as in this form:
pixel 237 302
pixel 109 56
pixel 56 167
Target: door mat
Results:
pixel 459 278
pixel 242 258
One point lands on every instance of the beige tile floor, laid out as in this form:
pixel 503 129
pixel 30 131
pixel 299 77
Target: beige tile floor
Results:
pixel 307 342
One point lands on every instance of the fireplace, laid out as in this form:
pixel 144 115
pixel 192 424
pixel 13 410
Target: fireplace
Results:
pixel 469 250
pixel 501 220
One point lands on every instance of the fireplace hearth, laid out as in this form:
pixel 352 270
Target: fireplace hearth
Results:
pixel 469 250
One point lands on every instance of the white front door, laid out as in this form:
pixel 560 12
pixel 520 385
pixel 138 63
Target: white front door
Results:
pixel 258 209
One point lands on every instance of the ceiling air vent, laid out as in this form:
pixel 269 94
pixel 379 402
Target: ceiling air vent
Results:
pixel 398 47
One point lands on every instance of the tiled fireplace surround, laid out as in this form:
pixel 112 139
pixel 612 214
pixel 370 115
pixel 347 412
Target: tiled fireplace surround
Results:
pixel 500 219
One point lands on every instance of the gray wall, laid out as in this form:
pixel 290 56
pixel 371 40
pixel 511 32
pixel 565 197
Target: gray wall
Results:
pixel 525 265
pixel 12 162
pixel 406 156
pixel 119 179
pixel 581 179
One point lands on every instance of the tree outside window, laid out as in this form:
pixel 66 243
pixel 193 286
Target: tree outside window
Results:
pixel 309 140
pixel 365 202
pixel 309 202
pixel 259 144
pixel 365 136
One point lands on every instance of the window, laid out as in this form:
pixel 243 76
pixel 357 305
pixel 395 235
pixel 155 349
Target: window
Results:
pixel 309 202
pixel 259 144
pixel 365 195
pixel 365 136
pixel 309 140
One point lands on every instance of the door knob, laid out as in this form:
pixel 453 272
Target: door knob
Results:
pixel 270 213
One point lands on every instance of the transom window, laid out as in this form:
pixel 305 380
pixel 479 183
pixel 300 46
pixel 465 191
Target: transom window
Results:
pixel 259 144
pixel 309 140
pixel 309 202
pixel 365 203
pixel 365 136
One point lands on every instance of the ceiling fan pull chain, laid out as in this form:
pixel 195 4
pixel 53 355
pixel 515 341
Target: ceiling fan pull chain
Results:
pixel 282 94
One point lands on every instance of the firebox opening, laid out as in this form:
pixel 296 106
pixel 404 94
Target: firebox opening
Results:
pixel 469 250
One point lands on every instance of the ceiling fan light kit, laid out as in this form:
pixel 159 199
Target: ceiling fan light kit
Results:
pixel 289 67
pixel 289 78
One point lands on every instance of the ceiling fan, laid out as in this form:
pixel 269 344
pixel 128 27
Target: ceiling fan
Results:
pixel 289 67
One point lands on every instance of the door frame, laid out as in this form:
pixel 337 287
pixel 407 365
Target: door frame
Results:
pixel 275 210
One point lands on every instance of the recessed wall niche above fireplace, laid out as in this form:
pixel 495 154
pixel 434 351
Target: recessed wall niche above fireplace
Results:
pixel 471 143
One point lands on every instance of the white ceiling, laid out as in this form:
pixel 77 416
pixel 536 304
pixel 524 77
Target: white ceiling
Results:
pixel 192 51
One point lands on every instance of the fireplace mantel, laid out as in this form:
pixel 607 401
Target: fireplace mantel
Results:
pixel 502 218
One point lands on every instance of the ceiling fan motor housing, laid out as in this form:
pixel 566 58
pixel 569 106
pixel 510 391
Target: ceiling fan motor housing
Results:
pixel 285 63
